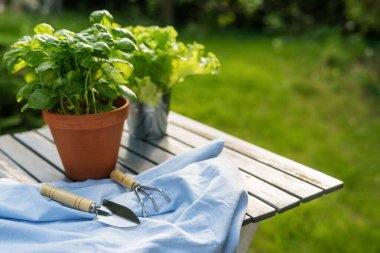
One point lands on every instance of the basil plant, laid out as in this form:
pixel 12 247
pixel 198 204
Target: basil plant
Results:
pixel 161 62
pixel 74 73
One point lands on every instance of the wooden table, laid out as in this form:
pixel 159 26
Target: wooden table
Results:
pixel 275 184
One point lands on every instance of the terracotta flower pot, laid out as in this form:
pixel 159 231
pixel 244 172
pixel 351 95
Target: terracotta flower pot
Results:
pixel 88 144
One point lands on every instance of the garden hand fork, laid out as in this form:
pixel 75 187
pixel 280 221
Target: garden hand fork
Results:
pixel 135 186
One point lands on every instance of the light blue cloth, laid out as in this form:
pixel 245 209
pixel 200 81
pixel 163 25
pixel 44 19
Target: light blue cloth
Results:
pixel 208 203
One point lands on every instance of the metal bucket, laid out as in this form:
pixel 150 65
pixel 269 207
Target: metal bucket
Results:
pixel 146 122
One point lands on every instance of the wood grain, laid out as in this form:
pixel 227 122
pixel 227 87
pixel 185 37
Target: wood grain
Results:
pixel 319 179
pixel 275 184
pixel 67 198
pixel 29 161
pixel 41 146
pixel 9 169
pixel 122 179
pixel 290 184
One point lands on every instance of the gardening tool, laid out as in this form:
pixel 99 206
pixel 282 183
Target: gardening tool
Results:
pixel 108 212
pixel 135 186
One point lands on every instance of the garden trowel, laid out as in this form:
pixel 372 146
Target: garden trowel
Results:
pixel 108 212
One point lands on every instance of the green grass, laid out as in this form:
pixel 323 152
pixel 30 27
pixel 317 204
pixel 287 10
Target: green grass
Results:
pixel 314 99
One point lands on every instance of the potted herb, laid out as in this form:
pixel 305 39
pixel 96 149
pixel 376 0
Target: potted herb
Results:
pixel 159 65
pixel 78 80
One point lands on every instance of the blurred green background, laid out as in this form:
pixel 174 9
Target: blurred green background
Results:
pixel 300 78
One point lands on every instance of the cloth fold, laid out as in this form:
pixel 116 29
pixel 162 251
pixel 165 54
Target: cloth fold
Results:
pixel 208 203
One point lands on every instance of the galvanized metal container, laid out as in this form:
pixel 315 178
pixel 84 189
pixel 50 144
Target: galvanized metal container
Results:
pixel 146 122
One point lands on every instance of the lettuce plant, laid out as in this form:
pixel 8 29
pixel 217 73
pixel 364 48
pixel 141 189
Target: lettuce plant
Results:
pixel 73 73
pixel 161 62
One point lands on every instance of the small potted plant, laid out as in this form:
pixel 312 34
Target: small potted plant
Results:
pixel 78 80
pixel 160 63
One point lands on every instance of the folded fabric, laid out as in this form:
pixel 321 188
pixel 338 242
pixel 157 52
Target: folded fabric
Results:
pixel 208 203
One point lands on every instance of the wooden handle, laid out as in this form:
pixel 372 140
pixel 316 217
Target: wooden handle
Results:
pixel 122 179
pixel 67 198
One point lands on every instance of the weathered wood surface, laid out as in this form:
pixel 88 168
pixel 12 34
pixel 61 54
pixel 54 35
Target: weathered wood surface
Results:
pixel 275 184
pixel 325 182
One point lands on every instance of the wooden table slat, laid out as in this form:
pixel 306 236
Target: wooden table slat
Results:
pixel 247 220
pixel 9 169
pixel 274 183
pixel 42 146
pixel 326 182
pixel 262 211
pixel 145 149
pixel 275 197
pixel 29 161
pixel 133 161
pixel 279 179
pixel 259 210
pixel 285 182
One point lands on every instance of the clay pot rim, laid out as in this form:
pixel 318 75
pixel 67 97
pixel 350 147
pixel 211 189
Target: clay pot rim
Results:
pixel 126 104
pixel 87 121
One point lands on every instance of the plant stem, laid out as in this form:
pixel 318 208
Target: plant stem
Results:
pixel 62 106
pixel 76 63
pixel 79 108
pixel 71 102
pixel 85 92
pixel 93 94
pixel 93 100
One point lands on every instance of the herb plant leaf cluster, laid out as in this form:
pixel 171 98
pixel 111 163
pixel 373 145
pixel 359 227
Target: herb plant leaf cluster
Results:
pixel 161 62
pixel 74 73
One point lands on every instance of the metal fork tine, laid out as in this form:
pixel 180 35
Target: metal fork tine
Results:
pixel 167 198
pixel 141 201
pixel 155 206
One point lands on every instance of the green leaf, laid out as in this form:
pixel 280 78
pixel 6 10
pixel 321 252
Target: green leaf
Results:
pixel 83 47
pixel 101 28
pixel 102 16
pixel 125 45
pixel 45 66
pixel 64 34
pixel 13 53
pixel 24 42
pixel 48 77
pixel 26 106
pixel 124 67
pixel 13 57
pixel 24 92
pixel 105 37
pixel 114 76
pixel 124 90
pixel 104 108
pixel 89 62
pixel 35 44
pixel 40 99
pixel 123 33
pixel 18 65
pixel 14 64
pixel 31 78
pixel 74 88
pixel 43 28
pixel 81 37
pixel 58 83
pixel 45 38
pixel 73 76
pixel 106 90
pixel 149 93
pixel 34 58
pixel 101 47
